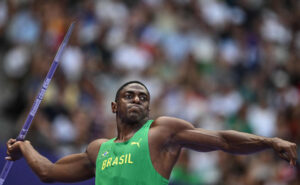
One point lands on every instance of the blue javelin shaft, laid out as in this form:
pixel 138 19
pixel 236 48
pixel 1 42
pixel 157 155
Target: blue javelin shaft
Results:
pixel 38 100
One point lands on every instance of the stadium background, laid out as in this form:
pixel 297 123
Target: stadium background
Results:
pixel 230 64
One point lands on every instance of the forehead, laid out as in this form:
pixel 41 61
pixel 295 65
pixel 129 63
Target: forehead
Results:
pixel 134 87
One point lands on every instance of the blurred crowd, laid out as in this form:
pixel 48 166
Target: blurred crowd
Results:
pixel 220 64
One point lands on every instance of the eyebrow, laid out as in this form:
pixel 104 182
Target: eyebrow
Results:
pixel 140 92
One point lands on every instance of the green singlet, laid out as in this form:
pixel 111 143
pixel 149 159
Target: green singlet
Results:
pixel 127 163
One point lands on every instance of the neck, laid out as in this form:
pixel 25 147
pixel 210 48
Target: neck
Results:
pixel 127 130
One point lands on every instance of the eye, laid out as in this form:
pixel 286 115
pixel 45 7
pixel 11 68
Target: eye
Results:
pixel 143 98
pixel 128 96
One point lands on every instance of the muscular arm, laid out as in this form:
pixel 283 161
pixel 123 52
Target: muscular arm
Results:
pixel 72 168
pixel 184 134
pixel 229 141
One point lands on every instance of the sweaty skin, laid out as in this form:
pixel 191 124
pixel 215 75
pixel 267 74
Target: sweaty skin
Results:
pixel 166 137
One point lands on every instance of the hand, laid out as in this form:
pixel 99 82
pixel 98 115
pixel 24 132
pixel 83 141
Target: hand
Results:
pixel 13 149
pixel 286 150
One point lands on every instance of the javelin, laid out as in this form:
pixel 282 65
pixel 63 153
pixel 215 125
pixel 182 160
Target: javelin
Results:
pixel 38 100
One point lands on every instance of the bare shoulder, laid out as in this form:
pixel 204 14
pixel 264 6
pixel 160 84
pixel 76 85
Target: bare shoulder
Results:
pixel 171 124
pixel 93 149
pixel 162 136
pixel 164 129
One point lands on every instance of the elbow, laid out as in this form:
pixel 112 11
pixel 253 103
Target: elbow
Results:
pixel 226 147
pixel 44 177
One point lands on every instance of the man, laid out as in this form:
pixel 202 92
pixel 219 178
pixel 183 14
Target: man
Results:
pixel 144 151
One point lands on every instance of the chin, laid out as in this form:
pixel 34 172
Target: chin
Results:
pixel 133 119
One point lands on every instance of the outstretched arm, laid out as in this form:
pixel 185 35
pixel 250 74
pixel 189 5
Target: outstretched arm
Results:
pixel 72 168
pixel 185 134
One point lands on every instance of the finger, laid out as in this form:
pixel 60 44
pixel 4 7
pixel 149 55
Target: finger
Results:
pixel 291 162
pixel 292 154
pixel 8 158
pixel 9 142
pixel 284 156
pixel 287 157
pixel 293 151
pixel 11 148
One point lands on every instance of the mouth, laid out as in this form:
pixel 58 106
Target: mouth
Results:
pixel 134 108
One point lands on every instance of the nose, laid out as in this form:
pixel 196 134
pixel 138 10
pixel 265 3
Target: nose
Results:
pixel 136 99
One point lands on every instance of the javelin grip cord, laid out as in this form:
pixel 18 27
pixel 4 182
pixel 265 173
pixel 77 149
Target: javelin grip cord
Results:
pixel 38 100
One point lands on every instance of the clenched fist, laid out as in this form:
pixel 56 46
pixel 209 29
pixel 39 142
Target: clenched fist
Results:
pixel 14 149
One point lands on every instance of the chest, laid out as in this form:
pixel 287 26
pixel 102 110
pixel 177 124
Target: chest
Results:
pixel 116 156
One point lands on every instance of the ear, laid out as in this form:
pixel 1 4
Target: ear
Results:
pixel 113 107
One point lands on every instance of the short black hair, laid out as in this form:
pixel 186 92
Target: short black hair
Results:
pixel 127 83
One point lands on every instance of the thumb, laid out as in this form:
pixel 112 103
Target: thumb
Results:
pixel 14 146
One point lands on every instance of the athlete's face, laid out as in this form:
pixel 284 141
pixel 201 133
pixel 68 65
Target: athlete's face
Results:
pixel 132 105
